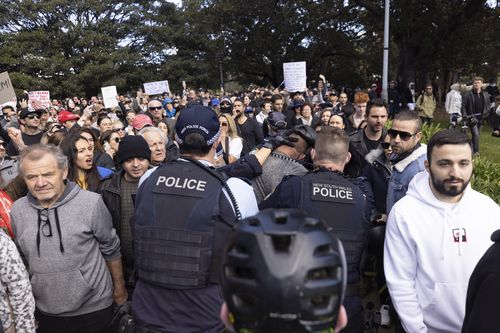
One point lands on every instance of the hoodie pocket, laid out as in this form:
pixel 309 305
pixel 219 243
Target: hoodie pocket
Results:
pixel 447 307
pixel 61 292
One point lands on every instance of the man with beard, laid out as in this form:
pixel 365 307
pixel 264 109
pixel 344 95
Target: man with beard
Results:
pixel 435 236
pixel 408 154
pixel 249 128
pixel 29 134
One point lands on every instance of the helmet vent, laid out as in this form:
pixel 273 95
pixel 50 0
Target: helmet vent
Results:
pixel 244 273
pixel 253 222
pixel 321 273
pixel 242 300
pixel 282 243
pixel 323 250
pixel 281 219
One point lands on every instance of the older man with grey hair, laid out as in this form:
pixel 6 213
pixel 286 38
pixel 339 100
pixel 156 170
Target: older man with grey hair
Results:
pixel 72 251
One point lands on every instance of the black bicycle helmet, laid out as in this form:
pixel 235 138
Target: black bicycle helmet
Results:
pixel 306 132
pixel 283 272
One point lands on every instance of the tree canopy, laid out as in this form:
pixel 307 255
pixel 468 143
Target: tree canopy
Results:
pixel 73 48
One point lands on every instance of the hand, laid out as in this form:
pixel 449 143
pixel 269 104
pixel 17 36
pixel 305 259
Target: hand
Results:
pixel 120 294
pixel 274 142
pixel 322 77
pixel 16 137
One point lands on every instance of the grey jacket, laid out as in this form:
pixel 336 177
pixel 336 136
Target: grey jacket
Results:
pixel 66 256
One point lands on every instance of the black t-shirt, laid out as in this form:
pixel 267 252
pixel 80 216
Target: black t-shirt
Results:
pixel 28 141
pixel 251 133
pixel 371 144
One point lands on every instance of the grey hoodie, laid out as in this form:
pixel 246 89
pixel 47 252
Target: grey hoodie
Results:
pixel 66 257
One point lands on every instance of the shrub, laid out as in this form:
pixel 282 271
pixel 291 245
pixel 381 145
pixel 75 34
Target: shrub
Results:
pixel 486 178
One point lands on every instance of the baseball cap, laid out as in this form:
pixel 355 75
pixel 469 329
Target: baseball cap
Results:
pixel 197 119
pixel 140 121
pixel 276 120
pixel 25 112
pixel 64 116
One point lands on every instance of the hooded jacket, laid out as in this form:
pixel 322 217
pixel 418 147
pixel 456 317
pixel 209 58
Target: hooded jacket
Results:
pixel 66 248
pixel 431 249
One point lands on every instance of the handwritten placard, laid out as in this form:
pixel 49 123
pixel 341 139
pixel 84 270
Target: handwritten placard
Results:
pixel 109 96
pixel 294 74
pixel 39 99
pixel 7 93
pixel 156 88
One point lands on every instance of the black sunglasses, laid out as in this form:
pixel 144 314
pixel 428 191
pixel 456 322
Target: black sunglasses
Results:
pixel 33 116
pixel 385 145
pixel 223 124
pixel 117 140
pixel 152 108
pixel 405 136
pixel 118 130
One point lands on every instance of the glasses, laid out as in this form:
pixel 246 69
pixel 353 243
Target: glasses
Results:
pixel 117 140
pixel 405 136
pixel 385 145
pixel 224 104
pixel 152 108
pixel 223 124
pixel 56 128
pixel 44 218
pixel 33 116
pixel 118 130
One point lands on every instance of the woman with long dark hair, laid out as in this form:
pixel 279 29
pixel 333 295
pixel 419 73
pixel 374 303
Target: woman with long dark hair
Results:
pixel 81 167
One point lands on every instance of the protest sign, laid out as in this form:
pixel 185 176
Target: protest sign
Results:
pixel 294 74
pixel 39 99
pixel 7 93
pixel 156 88
pixel 109 96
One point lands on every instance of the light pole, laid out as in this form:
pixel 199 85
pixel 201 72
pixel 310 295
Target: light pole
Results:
pixel 385 69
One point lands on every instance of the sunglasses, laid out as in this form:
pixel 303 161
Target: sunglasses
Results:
pixel 224 104
pixel 385 145
pixel 152 108
pixel 117 140
pixel 33 116
pixel 223 124
pixel 405 136
pixel 118 130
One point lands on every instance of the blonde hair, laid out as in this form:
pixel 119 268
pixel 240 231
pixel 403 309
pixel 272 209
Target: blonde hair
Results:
pixel 232 131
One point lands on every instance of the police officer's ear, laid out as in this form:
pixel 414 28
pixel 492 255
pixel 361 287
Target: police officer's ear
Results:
pixel 348 157
pixel 313 153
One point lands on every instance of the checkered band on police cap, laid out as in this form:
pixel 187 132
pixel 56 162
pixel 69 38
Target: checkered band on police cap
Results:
pixel 197 119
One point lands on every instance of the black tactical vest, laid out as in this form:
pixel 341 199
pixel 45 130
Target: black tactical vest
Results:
pixel 179 231
pixel 341 204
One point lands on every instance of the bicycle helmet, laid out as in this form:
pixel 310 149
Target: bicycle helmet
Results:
pixel 283 272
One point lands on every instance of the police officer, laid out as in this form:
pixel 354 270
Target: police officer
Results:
pixel 327 194
pixel 185 210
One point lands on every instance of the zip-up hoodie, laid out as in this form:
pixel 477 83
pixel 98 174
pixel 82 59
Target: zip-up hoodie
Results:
pixel 66 247
pixel 431 249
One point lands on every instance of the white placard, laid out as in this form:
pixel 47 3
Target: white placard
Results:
pixel 7 93
pixel 39 99
pixel 109 96
pixel 156 88
pixel 294 74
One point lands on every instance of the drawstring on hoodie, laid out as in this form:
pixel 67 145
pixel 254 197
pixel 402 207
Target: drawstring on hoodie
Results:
pixel 58 227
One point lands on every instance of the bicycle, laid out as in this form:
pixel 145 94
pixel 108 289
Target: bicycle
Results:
pixel 466 122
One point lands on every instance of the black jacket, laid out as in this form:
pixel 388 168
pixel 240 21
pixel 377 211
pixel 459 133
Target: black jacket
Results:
pixel 111 194
pixel 483 293
pixel 468 104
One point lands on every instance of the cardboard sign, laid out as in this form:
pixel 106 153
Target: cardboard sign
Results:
pixel 39 99
pixel 7 93
pixel 109 96
pixel 295 76
pixel 156 88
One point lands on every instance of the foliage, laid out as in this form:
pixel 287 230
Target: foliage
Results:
pixel 429 130
pixel 487 178
pixel 73 48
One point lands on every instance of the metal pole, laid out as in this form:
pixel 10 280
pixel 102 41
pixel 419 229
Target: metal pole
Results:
pixel 221 77
pixel 385 70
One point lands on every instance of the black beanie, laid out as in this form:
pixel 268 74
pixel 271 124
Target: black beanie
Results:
pixel 133 146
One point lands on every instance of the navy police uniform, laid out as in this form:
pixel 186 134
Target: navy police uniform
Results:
pixel 343 206
pixel 181 221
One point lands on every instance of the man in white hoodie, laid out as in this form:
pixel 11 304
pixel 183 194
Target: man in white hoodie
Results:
pixel 435 236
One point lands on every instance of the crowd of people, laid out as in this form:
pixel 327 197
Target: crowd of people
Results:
pixel 180 206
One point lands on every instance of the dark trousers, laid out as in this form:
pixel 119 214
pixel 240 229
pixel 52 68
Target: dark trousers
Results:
pixel 94 322
pixel 475 130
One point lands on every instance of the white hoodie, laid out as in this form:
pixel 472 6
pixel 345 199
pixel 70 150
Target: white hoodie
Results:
pixel 431 249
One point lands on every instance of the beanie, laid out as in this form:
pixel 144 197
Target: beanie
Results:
pixel 133 146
